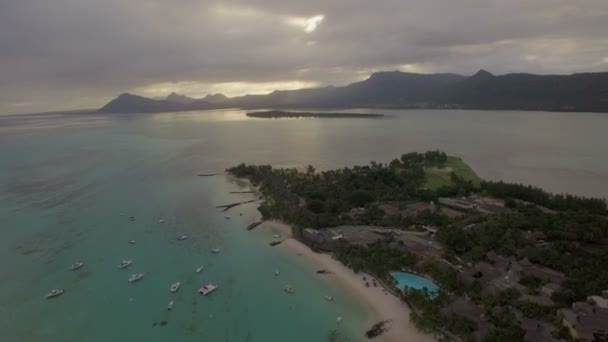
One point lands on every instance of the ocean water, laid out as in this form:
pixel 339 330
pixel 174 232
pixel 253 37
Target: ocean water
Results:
pixel 67 195
pixel 69 182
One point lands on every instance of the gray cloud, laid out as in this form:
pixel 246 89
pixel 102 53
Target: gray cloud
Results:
pixel 79 53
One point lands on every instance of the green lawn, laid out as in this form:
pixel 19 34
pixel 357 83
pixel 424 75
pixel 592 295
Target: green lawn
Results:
pixel 436 178
pixel 463 170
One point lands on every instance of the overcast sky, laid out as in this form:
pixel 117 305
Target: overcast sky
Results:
pixel 66 54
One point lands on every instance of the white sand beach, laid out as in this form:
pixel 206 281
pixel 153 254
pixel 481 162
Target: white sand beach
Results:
pixel 382 304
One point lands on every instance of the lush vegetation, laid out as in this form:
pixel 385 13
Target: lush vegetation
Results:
pixel 378 258
pixel 575 243
pixel 563 232
pixel 539 196
pixel 329 194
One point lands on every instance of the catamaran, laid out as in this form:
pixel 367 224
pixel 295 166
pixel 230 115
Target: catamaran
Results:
pixel 77 265
pixel 289 290
pixel 207 289
pixel 135 277
pixel 55 293
pixel 175 287
pixel 125 263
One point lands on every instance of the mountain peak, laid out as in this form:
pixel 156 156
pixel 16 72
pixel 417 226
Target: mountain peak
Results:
pixel 483 74
pixel 178 98
pixel 215 98
pixel 126 96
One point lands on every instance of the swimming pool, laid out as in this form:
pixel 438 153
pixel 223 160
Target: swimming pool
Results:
pixel 405 280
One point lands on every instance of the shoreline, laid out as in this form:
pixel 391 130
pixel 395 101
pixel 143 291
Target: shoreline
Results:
pixel 381 304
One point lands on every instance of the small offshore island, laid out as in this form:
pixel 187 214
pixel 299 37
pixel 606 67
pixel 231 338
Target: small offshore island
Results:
pixel 474 260
pixel 278 114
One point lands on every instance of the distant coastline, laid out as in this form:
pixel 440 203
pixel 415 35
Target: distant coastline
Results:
pixel 402 90
pixel 279 114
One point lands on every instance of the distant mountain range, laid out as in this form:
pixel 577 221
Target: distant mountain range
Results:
pixel 576 93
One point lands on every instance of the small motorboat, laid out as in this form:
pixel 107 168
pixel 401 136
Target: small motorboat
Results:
pixel 132 218
pixel 131 242
pixel 207 289
pixel 175 287
pixel 216 250
pixel 329 298
pixel 161 221
pixel 339 320
pixel 135 277
pixel 274 243
pixel 276 273
pixel 200 269
pixel 183 237
pixel 170 306
pixel 125 263
pixel 323 271
pixel 77 265
pixel 288 289
pixel 227 217
pixel 276 236
pixel 55 293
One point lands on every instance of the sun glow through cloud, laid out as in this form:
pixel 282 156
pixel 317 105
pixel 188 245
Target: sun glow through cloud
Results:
pixel 313 23
pixel 308 24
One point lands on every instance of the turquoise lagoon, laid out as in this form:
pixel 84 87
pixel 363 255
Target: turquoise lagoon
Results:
pixel 68 189
pixel 68 183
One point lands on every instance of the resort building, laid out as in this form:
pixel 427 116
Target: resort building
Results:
pixel 537 331
pixel 585 322
pixel 599 301
pixel 458 203
pixel 550 288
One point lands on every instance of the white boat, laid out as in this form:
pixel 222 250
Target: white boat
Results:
pixel 77 265
pixel 329 298
pixel 200 269
pixel 135 277
pixel 207 289
pixel 288 289
pixel 175 286
pixel 55 293
pixel 161 221
pixel 132 242
pixel 216 250
pixel 276 236
pixel 125 263
pixel 339 320
pixel 276 273
pixel 183 237
pixel 170 306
